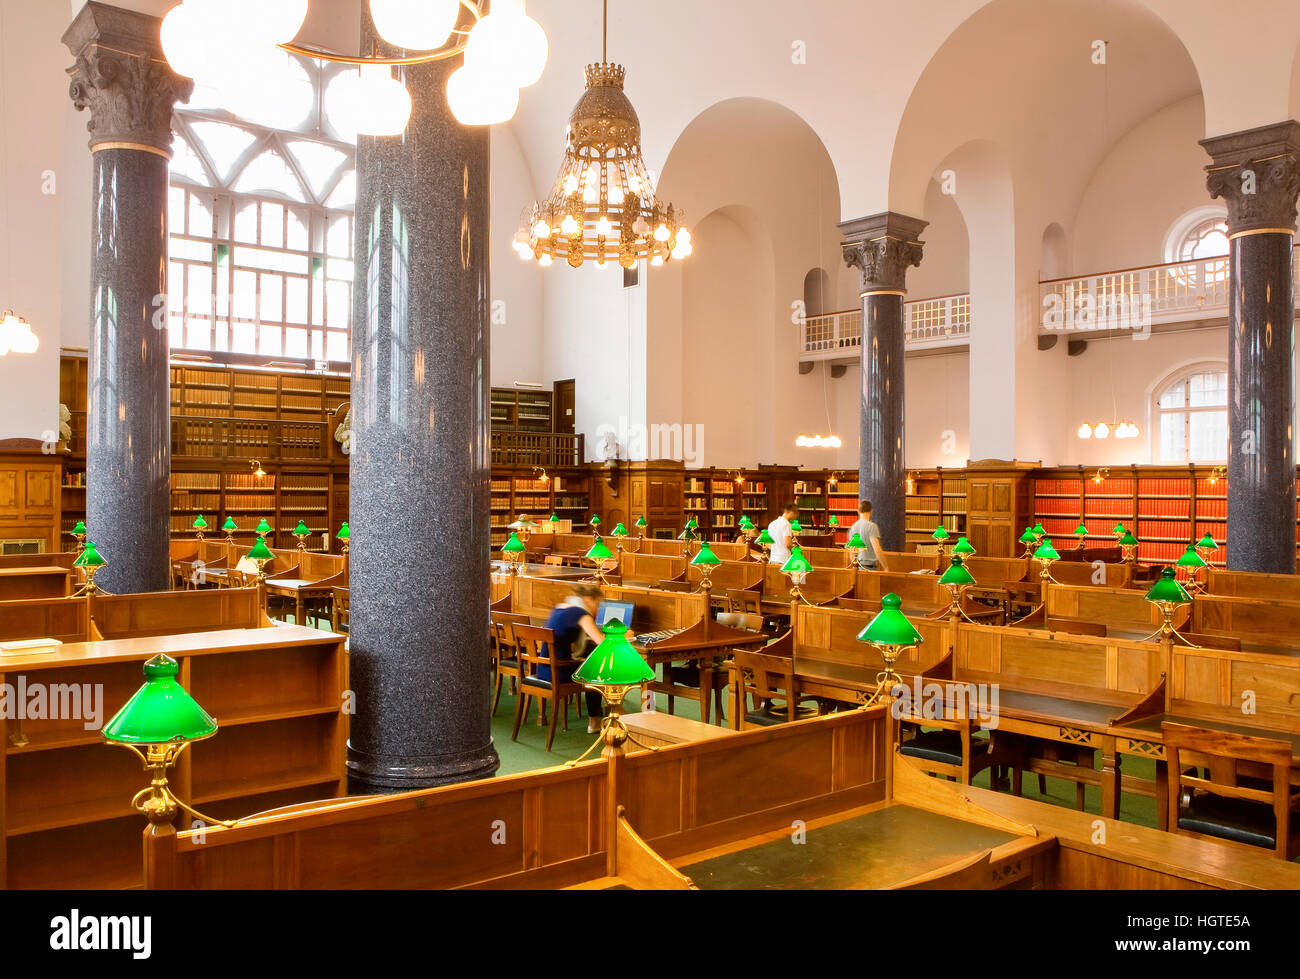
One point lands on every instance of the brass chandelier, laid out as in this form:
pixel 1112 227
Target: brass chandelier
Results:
pixel 603 205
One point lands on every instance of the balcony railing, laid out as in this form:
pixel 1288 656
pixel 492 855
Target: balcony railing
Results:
pixel 537 449
pixel 1174 292
pixel 940 322
pixel 249 438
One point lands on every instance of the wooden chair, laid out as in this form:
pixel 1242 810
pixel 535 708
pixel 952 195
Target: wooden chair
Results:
pixel 555 560
pixel 974 874
pixel 770 681
pixel 505 652
pixel 556 691
pixel 1071 762
pixel 743 601
pixel 947 746
pixel 1246 798
pixel 340 607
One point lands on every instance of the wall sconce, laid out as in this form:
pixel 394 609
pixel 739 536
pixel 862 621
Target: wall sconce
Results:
pixel 540 473
pixel 1100 474
pixel 257 469
pixel 1218 473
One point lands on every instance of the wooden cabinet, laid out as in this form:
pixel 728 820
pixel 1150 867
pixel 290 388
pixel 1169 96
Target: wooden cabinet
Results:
pixel 30 498
pixel 655 491
pixel 999 504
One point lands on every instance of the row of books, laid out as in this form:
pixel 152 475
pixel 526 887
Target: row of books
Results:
pixel 1057 487
pixel 1164 486
pixel 302 481
pixel 250 481
pixel 207 481
pixel 532 485
pixel 1174 529
pixel 185 500
pixel 1109 508
pixel 1165 508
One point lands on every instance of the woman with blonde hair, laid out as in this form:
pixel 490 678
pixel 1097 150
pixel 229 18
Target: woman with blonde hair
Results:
pixel 572 623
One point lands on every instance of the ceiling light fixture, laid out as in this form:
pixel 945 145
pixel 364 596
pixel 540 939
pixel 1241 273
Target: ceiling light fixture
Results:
pixel 603 205
pixel 819 442
pixel 16 335
pixel 1102 430
pixel 504 50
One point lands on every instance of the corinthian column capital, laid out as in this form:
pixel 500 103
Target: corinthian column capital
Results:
pixel 882 247
pixel 1257 173
pixel 122 77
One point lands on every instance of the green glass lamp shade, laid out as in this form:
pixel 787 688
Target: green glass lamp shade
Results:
pixel 345 532
pixel 856 541
pixel 1128 540
pixel 1119 530
pixel 1046 552
pixel 1206 542
pixel 615 662
pixel 555 518
pixel 1040 530
pixel 796 563
pixel 260 551
pixel 1081 531
pixel 1167 589
pixel 230 526
pixel 832 521
pixel 89 557
pixel 706 556
pixel 514 545
pixel 619 531
pixel 263 527
pixel 80 528
pixel 957 574
pixel 963 546
pixel 160 711
pixel 302 529
pixel 940 534
pixel 200 523
pixel 745 523
pixel 1028 536
pixel 640 521
pixel 692 524
pixel 890 627
pixel 595 520
pixel 1191 559
pixel 764 537
pixel 599 551
pixel 796 526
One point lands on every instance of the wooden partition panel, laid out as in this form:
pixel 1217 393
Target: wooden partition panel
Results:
pixel 691 796
pixel 1120 609
pixel 731 574
pixel 650 567
pixel 62 559
pixel 542 829
pixel 654 610
pixel 919 591
pixel 171 612
pixel 1086 668
pixel 1089 575
pixel 821 582
pixel 831 635
pixel 826 557
pixel 1262 621
pixel 1251 689
pixel 1249 584
pixel 64 619
pixel 727 551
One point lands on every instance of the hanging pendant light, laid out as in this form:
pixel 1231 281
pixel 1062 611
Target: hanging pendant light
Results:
pixel 16 336
pixel 214 41
pixel 602 206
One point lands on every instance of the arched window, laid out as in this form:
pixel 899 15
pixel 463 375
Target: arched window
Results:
pixel 1190 415
pixel 1199 234
pixel 261 224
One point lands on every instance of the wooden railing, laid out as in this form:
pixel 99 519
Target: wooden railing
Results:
pixel 537 449
pixel 268 440
pixel 938 322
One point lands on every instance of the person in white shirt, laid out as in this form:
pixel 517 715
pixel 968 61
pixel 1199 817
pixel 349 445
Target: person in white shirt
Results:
pixel 782 533
pixel 873 556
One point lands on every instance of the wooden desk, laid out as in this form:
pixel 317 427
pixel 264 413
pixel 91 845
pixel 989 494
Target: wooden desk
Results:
pixel 302 591
pixel 35 581
pixel 701 643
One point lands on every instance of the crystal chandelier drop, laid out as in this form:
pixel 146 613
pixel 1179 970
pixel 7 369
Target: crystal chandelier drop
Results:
pixel 603 205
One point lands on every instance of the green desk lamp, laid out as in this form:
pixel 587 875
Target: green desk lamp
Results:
pixel 955 579
pixel 230 527
pixel 89 562
pixel 1167 595
pixel 892 634
pixel 200 525
pixel 706 561
pixel 302 532
pixel 797 568
pixel 598 555
pixel 512 553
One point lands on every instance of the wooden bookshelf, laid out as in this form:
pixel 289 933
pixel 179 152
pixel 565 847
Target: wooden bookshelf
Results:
pixel 66 820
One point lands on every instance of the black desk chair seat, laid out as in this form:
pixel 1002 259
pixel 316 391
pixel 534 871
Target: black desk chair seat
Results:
pixel 777 713
pixel 1239 820
pixel 941 746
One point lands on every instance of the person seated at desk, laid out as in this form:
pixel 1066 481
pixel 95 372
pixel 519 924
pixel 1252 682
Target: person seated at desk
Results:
pixel 872 557
pixel 782 533
pixel 747 536
pixel 569 622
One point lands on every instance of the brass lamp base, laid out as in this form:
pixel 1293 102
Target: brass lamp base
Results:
pixel 887 678
pixel 613 732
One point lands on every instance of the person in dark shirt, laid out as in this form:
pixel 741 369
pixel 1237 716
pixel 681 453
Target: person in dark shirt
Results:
pixel 572 623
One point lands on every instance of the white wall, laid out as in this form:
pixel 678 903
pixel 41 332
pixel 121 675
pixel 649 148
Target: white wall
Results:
pixel 517 323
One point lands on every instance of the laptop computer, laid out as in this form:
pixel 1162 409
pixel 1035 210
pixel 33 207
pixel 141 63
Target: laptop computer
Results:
pixel 614 610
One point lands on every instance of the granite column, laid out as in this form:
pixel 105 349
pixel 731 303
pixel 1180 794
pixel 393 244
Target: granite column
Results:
pixel 420 464
pixel 121 76
pixel 882 247
pixel 1257 173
